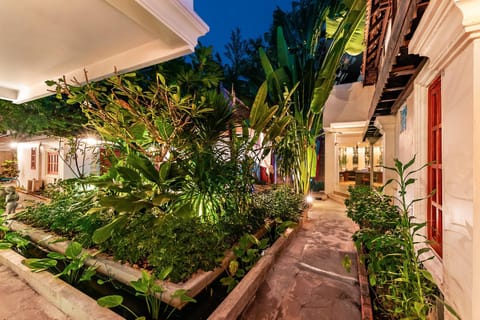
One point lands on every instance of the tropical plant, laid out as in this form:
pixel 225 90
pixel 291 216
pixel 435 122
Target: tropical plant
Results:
pixel 247 252
pixel 183 242
pixel 243 71
pixel 74 260
pixel 147 287
pixel 307 57
pixel 389 236
pixel 280 202
pixel 46 116
pixel 66 212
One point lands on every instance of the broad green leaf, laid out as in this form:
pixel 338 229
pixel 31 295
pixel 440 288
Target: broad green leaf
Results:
pixel 38 265
pixel 282 49
pixel 56 255
pixel 409 163
pixel 127 204
pixel 233 267
pixel 267 66
pixel 182 294
pixel 137 131
pixel 128 174
pixel 356 43
pixel 102 234
pixel 144 166
pixel 88 274
pixel 141 285
pixel 73 250
pixel 5 245
pixel 111 301
pixel 165 272
pixel 164 170
pixel 16 239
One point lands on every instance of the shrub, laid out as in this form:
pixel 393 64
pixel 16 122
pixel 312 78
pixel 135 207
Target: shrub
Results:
pixel 402 287
pixel 66 213
pixel 278 203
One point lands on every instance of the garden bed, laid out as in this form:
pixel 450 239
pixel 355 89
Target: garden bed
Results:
pixel 124 273
pixel 231 307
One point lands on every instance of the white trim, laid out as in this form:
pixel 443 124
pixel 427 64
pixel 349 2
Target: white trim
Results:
pixel 446 28
pixel 172 11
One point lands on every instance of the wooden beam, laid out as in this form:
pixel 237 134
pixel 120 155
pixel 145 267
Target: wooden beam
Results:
pixel 382 35
pixel 408 88
pixel 399 68
pixel 400 25
pixel 393 89
pixel 388 100
pixel 405 72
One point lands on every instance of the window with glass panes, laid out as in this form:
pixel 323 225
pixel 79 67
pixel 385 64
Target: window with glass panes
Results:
pixel 434 203
pixel 52 162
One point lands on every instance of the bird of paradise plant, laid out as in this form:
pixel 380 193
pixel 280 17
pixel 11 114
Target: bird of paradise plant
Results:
pixel 307 60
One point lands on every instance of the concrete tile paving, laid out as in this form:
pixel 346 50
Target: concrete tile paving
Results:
pixel 18 301
pixel 308 281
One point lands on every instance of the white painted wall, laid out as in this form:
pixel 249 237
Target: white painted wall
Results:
pixel 457 135
pixel 448 36
pixel 347 102
pixel 344 122
pixel 43 146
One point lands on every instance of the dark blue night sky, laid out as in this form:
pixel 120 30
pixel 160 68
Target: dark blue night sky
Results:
pixel 253 17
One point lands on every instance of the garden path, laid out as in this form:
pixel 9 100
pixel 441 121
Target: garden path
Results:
pixel 308 280
pixel 20 302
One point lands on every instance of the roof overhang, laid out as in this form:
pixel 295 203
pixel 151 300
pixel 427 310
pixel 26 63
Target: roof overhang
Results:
pixel 46 40
pixel 396 70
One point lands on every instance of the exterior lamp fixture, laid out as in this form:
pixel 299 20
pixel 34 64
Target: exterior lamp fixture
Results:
pixel 309 199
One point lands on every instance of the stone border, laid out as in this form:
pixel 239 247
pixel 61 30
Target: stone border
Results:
pixel 243 294
pixel 365 299
pixel 72 302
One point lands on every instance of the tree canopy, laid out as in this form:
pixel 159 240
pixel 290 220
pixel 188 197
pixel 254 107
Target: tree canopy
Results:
pixel 47 116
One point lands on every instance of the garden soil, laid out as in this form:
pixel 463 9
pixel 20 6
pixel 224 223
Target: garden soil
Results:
pixel 309 281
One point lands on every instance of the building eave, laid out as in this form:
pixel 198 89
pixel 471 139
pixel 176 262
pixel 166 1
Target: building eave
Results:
pixel 53 39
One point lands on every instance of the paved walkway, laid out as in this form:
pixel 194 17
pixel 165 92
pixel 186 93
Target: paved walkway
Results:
pixel 308 281
pixel 17 299
pixel 20 302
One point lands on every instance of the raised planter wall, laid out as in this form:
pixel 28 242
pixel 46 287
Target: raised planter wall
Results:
pixel 125 274
pixel 74 303
pixel 120 272
pixel 243 294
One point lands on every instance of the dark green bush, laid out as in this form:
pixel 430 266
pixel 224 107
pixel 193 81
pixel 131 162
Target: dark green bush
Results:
pixel 278 203
pixel 370 209
pixel 66 213
pixel 156 241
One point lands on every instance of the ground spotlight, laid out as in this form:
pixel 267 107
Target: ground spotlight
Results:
pixel 309 199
